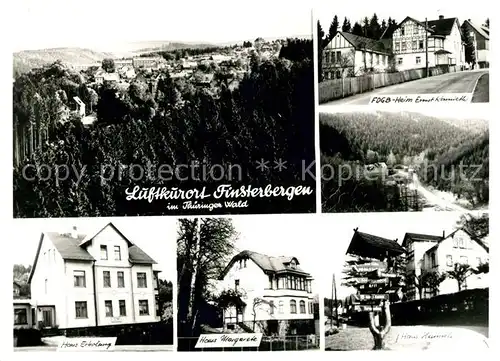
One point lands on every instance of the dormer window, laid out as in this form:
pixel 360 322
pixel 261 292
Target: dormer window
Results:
pixel 293 264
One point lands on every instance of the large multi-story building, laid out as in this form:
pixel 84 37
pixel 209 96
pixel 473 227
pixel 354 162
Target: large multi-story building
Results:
pixel 352 55
pixel 90 281
pixel 444 43
pixel 274 292
pixel 431 253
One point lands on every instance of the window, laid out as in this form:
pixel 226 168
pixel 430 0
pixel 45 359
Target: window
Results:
pixel 104 252
pixel 81 309
pixel 402 31
pixel 106 276
pixel 339 56
pixel 449 260
pixel 400 61
pixel 143 308
pixel 418 60
pixel 121 279
pixel 302 306
pixel 377 57
pixel 464 260
pixel 271 281
pixel 281 282
pixel 271 307
pixel 118 254
pixel 79 278
pixel 414 44
pixel 20 317
pixel 403 46
pixel 123 309
pixel 421 44
pixel 311 308
pixel 397 46
pixel 293 306
pixel 108 306
pixel 433 260
pixel 281 306
pixel 46 285
pixel 141 280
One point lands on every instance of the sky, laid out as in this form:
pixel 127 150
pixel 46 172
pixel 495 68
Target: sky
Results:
pixel 154 235
pixel 357 10
pixel 105 25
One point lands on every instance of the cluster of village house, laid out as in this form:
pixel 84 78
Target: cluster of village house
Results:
pixel 235 60
pixel 440 41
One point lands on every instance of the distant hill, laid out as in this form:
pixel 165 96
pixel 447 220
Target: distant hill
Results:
pixel 29 59
pixel 151 46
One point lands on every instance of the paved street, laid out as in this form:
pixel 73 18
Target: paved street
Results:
pixel 460 82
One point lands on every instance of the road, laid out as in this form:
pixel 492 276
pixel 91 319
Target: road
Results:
pixel 460 82
pixel 413 338
pixel 432 199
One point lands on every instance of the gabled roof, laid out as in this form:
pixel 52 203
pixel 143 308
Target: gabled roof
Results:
pixel 268 264
pixel 443 26
pixel 482 30
pixel 368 245
pixel 362 43
pixel 419 237
pixel 75 249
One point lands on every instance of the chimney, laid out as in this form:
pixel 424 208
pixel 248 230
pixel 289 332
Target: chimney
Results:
pixel 441 17
pixel 74 232
pixel 443 233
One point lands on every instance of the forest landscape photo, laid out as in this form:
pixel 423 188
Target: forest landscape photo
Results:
pixel 404 161
pixel 168 128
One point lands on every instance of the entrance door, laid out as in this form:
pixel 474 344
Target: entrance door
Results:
pixel 47 318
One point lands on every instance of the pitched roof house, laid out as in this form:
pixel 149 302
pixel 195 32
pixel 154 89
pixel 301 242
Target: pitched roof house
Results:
pixel 92 280
pixel 274 291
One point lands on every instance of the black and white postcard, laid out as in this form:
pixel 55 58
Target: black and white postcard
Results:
pixel 419 159
pixel 93 285
pixel 172 113
pixel 242 283
pixel 432 52
pixel 409 282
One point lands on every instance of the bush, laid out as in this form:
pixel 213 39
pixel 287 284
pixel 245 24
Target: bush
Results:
pixel 28 337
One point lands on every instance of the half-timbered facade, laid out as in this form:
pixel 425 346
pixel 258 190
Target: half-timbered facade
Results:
pixel 438 41
pixel 352 55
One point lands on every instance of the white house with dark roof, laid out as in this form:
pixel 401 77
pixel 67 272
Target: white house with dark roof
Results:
pixel 352 55
pixel 444 46
pixel 274 291
pixel 96 280
pixel 432 253
pixel 480 36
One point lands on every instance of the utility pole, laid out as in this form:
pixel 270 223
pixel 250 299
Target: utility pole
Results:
pixel 336 301
pixel 426 51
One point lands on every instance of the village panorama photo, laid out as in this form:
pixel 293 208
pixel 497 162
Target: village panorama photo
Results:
pixel 136 121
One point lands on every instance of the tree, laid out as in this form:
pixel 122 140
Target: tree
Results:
pixel 483 267
pixel 203 248
pixel 460 273
pixel 108 65
pixel 334 27
pixel 256 305
pixel 93 98
pixel 346 25
pixel 375 28
pixel 476 226
pixel 321 38
pixel 357 29
pixel 433 280
pixel 470 46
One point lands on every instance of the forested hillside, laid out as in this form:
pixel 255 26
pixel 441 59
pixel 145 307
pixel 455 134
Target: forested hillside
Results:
pixel 161 121
pixel 446 153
